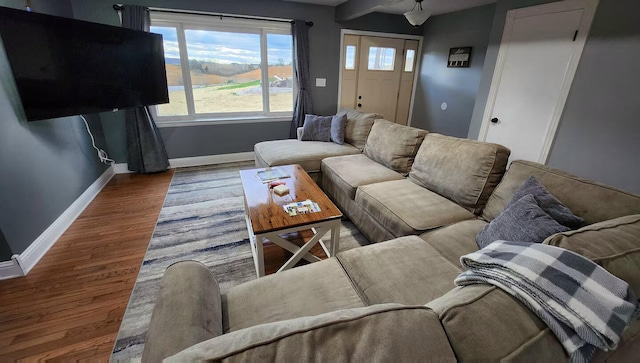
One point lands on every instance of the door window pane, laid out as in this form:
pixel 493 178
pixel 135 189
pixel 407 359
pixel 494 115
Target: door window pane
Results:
pixel 410 58
pixel 381 59
pixel 177 105
pixel 350 57
pixel 225 71
pixel 279 59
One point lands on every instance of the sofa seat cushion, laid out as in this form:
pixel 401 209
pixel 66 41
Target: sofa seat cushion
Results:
pixel 307 290
pixel 405 270
pixel 464 171
pixel 394 146
pixel 405 208
pixel 456 240
pixel 385 333
pixel 308 154
pixel 351 171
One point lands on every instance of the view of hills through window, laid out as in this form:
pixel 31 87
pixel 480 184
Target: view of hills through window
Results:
pixel 226 71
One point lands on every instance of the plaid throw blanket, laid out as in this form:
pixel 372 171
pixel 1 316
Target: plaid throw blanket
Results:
pixel 585 306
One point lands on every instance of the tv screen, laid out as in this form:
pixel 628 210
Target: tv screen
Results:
pixel 65 67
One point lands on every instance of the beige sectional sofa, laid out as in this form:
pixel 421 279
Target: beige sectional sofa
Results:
pixel 427 196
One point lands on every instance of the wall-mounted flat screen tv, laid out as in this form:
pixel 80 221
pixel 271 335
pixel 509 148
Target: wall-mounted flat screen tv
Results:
pixel 65 67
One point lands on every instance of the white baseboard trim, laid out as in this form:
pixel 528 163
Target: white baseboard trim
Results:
pixel 122 168
pixel 28 259
pixel 10 269
pixel 211 159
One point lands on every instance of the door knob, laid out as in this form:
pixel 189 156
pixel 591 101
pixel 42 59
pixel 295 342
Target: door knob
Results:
pixel 494 120
pixel 359 104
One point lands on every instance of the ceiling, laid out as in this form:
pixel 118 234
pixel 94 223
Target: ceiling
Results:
pixel 435 6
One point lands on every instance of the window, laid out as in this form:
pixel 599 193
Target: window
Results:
pixel 350 57
pixel 220 69
pixel 381 59
pixel 409 60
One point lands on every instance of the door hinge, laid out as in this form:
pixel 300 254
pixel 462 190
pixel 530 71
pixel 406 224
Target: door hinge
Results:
pixel 575 35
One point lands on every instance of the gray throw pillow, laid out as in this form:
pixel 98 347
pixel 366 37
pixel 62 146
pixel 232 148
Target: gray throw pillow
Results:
pixel 548 203
pixel 316 128
pixel 338 128
pixel 522 221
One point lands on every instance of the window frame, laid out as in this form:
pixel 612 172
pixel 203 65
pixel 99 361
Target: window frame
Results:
pixel 182 22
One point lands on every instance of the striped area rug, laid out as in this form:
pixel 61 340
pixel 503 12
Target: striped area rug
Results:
pixel 202 219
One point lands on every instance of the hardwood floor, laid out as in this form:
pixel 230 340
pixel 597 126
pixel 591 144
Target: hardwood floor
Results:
pixel 69 307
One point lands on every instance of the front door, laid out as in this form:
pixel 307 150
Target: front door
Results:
pixel 378 75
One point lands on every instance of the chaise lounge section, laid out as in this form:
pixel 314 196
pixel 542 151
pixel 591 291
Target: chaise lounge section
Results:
pixel 309 154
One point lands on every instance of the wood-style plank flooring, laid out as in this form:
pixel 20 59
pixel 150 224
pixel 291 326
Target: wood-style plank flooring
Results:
pixel 69 307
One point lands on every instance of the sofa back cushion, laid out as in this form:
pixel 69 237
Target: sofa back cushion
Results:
pixel 592 201
pixel 612 244
pixel 393 145
pixel 358 126
pixel 387 332
pixel 464 171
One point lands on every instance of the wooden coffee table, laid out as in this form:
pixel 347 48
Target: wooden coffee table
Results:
pixel 267 220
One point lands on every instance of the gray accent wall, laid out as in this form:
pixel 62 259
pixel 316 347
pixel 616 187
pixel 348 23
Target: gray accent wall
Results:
pixel 46 165
pixel 455 86
pixel 599 133
pixel 324 47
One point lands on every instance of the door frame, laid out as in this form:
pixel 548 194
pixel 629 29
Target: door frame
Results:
pixel 589 7
pixel 419 38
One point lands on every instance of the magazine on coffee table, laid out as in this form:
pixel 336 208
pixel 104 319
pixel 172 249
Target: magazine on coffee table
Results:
pixel 295 208
pixel 272 174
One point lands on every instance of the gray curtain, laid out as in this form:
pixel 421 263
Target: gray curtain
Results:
pixel 303 104
pixel 145 149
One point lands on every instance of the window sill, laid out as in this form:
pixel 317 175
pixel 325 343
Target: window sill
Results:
pixel 223 121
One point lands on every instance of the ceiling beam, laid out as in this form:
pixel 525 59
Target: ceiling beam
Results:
pixel 356 8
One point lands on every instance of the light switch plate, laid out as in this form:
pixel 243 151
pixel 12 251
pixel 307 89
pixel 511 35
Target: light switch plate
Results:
pixel 321 82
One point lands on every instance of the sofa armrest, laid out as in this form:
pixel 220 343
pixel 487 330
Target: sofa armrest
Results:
pixel 187 311
pixel 385 332
pixel 299 132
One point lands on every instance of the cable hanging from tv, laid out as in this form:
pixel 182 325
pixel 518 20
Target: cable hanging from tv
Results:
pixel 102 155
pixel 118 7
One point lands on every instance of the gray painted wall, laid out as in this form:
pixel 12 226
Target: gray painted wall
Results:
pixel 455 86
pixel 46 164
pixel 598 136
pixel 324 38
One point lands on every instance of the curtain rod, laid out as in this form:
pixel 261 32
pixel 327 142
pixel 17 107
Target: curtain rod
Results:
pixel 118 7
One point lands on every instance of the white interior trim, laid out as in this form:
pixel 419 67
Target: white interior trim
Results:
pixel 589 7
pixel 28 259
pixel 123 168
pixel 416 73
pixel 211 159
pixel 419 38
pixel 10 269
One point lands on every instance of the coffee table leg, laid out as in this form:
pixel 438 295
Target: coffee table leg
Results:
pixel 259 256
pixel 335 238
